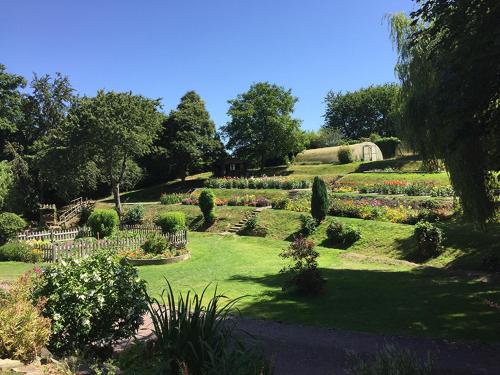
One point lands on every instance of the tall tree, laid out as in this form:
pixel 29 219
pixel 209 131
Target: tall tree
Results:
pixel 11 105
pixel 190 138
pixel 262 126
pixel 113 130
pixel 449 67
pixel 363 112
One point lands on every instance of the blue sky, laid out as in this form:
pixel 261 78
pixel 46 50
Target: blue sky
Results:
pixel 163 48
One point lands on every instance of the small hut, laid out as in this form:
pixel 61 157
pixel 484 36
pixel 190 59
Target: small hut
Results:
pixel 364 151
pixel 231 167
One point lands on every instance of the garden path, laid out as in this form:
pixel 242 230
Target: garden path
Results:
pixel 297 349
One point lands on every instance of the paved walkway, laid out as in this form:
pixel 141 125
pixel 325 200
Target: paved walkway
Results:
pixel 296 349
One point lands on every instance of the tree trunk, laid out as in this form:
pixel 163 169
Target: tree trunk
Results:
pixel 116 197
pixel 262 162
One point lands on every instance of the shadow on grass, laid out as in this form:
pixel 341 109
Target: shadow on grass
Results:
pixel 421 302
pixel 388 163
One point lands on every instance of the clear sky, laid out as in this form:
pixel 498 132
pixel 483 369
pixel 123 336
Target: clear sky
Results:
pixel 163 48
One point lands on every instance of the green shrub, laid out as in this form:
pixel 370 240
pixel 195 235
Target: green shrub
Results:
pixel 171 222
pixel 342 234
pixel 156 244
pixel 207 204
pixel 92 302
pixel 429 239
pixel 319 200
pixel 281 204
pixel 388 146
pixel 134 215
pixel 193 336
pixel 172 198
pixel 345 155
pixel 391 361
pixel 10 225
pixel 251 224
pixel 23 331
pixel 18 251
pixel 307 225
pixel 304 275
pixel 103 223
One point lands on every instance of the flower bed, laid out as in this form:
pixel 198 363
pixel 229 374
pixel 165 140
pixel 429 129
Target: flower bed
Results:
pixel 236 200
pixel 393 187
pixel 257 183
pixel 156 261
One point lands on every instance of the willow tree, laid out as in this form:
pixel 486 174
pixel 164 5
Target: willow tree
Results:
pixel 450 97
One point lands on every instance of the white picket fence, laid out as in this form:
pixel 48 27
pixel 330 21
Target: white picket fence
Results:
pixel 56 251
pixel 54 235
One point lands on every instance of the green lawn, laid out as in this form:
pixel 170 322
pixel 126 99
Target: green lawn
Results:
pixel 440 179
pixel 10 271
pixel 360 295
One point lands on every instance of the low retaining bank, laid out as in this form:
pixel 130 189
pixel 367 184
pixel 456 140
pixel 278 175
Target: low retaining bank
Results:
pixel 149 262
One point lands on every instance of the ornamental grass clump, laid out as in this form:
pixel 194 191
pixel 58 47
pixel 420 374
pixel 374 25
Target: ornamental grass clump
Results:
pixel 304 275
pixel 193 335
pixel 23 330
pixel 92 302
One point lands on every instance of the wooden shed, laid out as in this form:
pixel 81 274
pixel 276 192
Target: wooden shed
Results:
pixel 231 167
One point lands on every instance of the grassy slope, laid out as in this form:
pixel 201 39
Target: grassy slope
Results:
pixel 10 271
pixel 363 296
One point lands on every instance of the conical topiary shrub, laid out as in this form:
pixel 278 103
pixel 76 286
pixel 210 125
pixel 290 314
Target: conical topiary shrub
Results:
pixel 319 200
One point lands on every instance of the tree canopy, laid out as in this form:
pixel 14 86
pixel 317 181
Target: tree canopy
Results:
pixel 190 138
pixel 113 130
pixel 449 107
pixel 262 126
pixel 360 113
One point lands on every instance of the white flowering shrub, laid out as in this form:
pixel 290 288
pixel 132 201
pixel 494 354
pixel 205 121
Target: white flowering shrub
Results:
pixel 92 302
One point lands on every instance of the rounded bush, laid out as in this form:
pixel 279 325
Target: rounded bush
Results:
pixel 307 225
pixel 17 251
pixel 10 225
pixel 429 239
pixel 342 234
pixel 92 302
pixel 171 222
pixel 134 215
pixel 207 204
pixel 345 155
pixel 155 244
pixel 103 223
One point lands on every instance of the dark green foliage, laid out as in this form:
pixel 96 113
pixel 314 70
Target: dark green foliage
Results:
pixel 325 137
pixel 171 222
pixel 103 223
pixel 18 252
pixel 261 126
pixel 190 138
pixel 388 146
pixel 319 200
pixel 446 54
pixel 345 155
pixel 92 302
pixel 251 224
pixel 193 336
pixel 84 215
pixel 10 225
pixel 304 275
pixel 308 225
pixel 342 234
pixel 360 113
pixel 134 215
pixel 429 239
pixel 207 204
pixel 391 360
pixel 155 244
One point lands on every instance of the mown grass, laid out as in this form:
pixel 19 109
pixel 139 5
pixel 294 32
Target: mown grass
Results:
pixel 439 179
pixel 363 295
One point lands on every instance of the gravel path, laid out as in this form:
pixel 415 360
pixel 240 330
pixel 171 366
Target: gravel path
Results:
pixel 296 349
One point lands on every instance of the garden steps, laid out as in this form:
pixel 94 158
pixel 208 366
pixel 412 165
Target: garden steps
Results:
pixel 235 228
